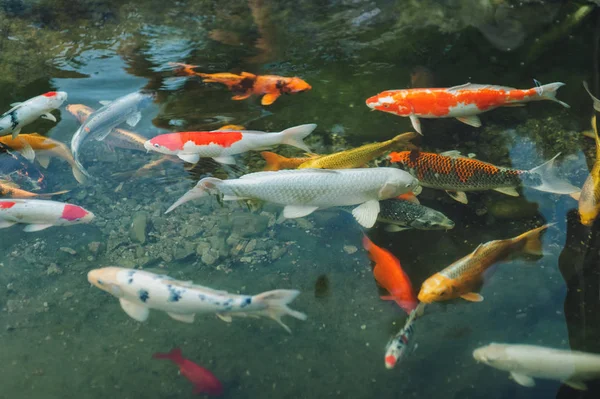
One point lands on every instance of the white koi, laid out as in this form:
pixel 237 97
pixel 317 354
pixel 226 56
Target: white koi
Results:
pixel 24 113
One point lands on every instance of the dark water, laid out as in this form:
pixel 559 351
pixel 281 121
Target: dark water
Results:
pixel 59 338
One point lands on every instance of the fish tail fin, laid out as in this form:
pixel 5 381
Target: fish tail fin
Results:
pixel 78 174
pixel 548 92
pixel 402 142
pixel 367 243
pixel 294 135
pixel 52 194
pixel 594 99
pixel 548 181
pixel 202 189
pixel 175 356
pixel 276 302
pixel 273 160
pixel 533 243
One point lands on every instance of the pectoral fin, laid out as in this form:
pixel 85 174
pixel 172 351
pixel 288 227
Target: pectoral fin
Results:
pixel 580 385
pixel 104 102
pixel 5 224
pixel 239 96
pixel 134 119
pixel 186 318
pixel 225 318
pixel 15 104
pixel 43 160
pixel 459 196
pixel 270 98
pixel 30 228
pixel 101 136
pixel 366 213
pixel 135 311
pixel 472 120
pixel 508 191
pixel 416 123
pixel 298 211
pixel 27 151
pixel 394 228
pixel 16 132
pixel 190 158
pixel 49 116
pixel 228 160
pixel 523 379
pixel 472 297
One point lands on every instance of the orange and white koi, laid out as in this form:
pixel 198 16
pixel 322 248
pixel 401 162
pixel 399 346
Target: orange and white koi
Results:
pixel 41 214
pixel 220 145
pixel 462 102
pixel 22 114
pixel 454 173
pixel 463 277
pixel 247 84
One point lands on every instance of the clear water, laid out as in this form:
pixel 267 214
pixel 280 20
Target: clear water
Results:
pixel 60 338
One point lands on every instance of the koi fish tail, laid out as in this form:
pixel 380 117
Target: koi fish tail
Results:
pixel 175 356
pixel 548 92
pixel 594 99
pixel 273 160
pixel 543 178
pixel 203 188
pixel 402 142
pixel 78 174
pixel 294 135
pixel 533 243
pixel 275 303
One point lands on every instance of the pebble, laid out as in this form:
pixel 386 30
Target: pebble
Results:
pixel 68 250
pixel 139 226
pixel 350 249
pixel 94 247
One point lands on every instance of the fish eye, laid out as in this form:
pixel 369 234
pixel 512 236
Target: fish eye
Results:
pixel 386 105
pixel 156 145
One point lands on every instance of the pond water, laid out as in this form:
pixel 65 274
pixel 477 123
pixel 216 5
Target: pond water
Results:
pixel 62 338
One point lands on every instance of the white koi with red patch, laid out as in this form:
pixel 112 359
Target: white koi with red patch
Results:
pixel 397 346
pixel 220 145
pixel 22 114
pixel 41 214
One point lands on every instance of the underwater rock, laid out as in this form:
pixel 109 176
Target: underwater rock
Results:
pixel 202 247
pixel 139 227
pixel 94 247
pixel 210 256
pixel 278 252
pixel 248 225
pixel 182 253
pixel 350 249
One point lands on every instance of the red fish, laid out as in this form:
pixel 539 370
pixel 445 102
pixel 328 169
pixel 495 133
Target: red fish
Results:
pixel 389 274
pixel 204 381
pixel 462 102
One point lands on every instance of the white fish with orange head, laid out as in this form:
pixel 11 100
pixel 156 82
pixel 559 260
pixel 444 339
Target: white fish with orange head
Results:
pixel 139 291
pixel 304 191
pixel 22 114
pixel 41 214
pixel 526 362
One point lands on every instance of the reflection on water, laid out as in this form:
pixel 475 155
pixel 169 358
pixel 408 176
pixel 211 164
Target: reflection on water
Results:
pixel 61 338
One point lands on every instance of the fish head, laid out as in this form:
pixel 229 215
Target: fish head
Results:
pixel 492 354
pixel 295 85
pixel 168 144
pixel 588 214
pixel 107 280
pixel 437 288
pixel 73 214
pixel 54 99
pixel 432 221
pixel 402 158
pixel 79 111
pixel 390 101
pixel 399 182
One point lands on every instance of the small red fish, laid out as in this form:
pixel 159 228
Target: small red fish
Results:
pixel 389 274
pixel 204 381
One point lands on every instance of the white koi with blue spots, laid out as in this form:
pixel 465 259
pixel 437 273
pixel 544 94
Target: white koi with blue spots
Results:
pixel 139 291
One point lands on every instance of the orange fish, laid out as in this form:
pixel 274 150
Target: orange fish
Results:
pixel 278 162
pixel 463 277
pixel 9 189
pixel 462 102
pixel 246 84
pixel 389 274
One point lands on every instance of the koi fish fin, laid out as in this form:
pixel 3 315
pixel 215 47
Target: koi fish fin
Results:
pixel 294 135
pixel 394 228
pixel 239 96
pixel 227 159
pixel 508 191
pixel 175 356
pixel 224 317
pixel 596 101
pixel 416 124
pixel 276 302
pixel 248 75
pixel 43 160
pixel 471 120
pixel 273 160
pixel 548 92
pixel 270 98
pixel 30 228
pixel 550 183
pixel 202 189
pixel 186 318
pixel 459 87
pixel 575 196
pixel 101 136
pixel 27 151
pixel 579 385
pixel 134 119
pixel 410 197
pixel 298 211
pixel 515 105
pixel 459 196
pixel 77 174
pixel 189 158
pixel 522 379
pixel 16 132
pixel 15 104
pixel 402 142
pixel 472 297
pixel 104 102
pixel 135 311
pixel 366 213
pixel 533 245
pixel 451 153
pixel 49 116
pixel 5 224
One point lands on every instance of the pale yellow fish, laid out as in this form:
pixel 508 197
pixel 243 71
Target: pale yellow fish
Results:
pixel 359 157
pixel 589 198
